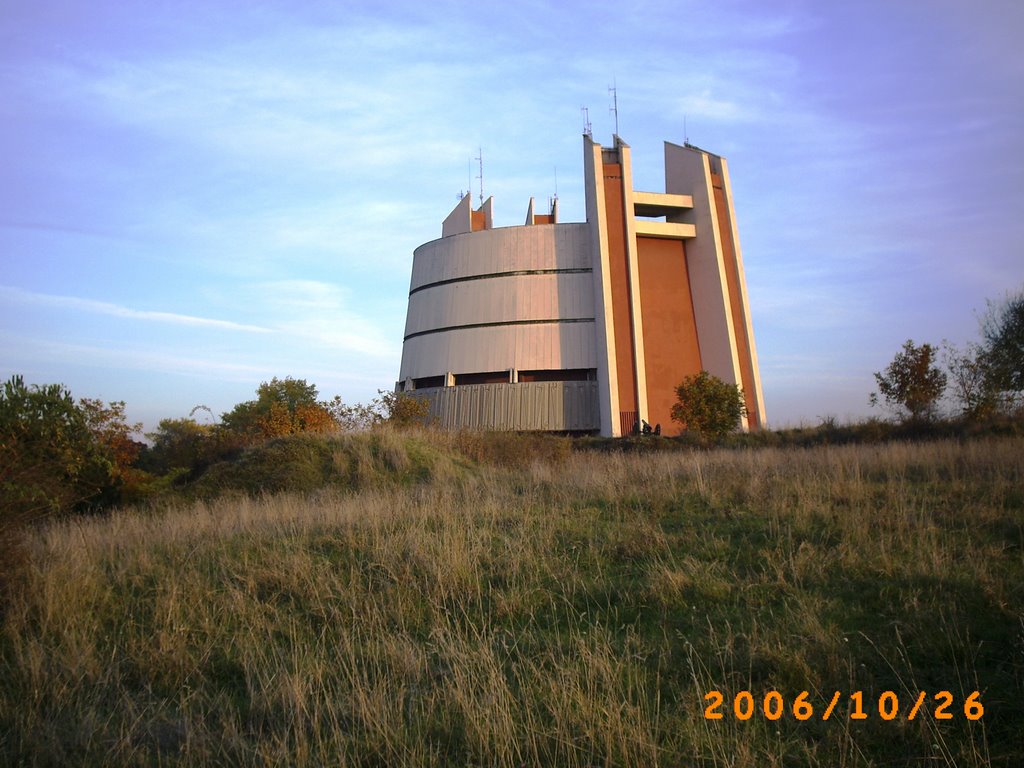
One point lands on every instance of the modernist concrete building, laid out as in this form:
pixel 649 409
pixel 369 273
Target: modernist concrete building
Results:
pixel 584 327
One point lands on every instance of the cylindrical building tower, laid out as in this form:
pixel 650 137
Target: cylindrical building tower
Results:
pixel 584 327
pixel 500 328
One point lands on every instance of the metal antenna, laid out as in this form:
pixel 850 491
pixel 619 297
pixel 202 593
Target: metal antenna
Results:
pixel 614 91
pixel 587 130
pixel 480 159
pixel 686 134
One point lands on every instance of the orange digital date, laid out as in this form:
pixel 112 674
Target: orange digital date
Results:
pixel 773 706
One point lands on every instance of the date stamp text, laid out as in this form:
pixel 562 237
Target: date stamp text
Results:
pixel 941 705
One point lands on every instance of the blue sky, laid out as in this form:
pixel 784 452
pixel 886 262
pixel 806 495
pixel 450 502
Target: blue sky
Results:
pixel 198 196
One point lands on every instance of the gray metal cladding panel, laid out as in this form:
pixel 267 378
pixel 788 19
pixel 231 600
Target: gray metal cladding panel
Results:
pixel 506 249
pixel 502 299
pixel 499 348
pixel 556 406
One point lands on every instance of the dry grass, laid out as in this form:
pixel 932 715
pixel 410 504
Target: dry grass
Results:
pixel 572 611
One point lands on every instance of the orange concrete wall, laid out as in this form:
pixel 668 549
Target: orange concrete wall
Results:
pixel 479 221
pixel 619 269
pixel 739 323
pixel 671 349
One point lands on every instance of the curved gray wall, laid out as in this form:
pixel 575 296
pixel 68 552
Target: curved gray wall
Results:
pixel 514 297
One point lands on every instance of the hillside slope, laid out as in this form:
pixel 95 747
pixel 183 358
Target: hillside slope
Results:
pixel 436 608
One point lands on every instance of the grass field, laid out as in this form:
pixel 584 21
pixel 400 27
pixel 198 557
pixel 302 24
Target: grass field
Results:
pixel 432 600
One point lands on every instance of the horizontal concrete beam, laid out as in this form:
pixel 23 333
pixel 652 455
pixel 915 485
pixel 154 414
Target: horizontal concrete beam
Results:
pixel 665 230
pixel 660 203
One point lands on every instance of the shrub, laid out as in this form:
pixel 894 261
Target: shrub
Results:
pixel 56 456
pixel 912 381
pixel 972 381
pixel 708 406
pixel 282 407
pixel 397 409
pixel 1002 329
pixel 51 461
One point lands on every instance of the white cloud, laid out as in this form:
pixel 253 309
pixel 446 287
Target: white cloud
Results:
pixel 117 310
pixel 345 105
pixel 23 349
pixel 320 314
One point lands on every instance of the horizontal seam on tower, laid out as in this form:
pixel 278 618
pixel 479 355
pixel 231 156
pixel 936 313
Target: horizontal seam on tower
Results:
pixel 489 275
pixel 499 324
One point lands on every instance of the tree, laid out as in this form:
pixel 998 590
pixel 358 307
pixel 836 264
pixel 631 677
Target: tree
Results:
pixel 282 407
pixel 1002 330
pixel 912 381
pixel 110 428
pixel 56 456
pixel 708 406
pixel 180 444
pixel 51 460
pixel 399 409
pixel 402 409
pixel 970 378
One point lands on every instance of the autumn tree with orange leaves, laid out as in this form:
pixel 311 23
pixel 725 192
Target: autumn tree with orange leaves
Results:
pixel 282 407
pixel 57 455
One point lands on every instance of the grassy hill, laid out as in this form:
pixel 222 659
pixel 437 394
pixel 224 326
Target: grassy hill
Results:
pixel 423 599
